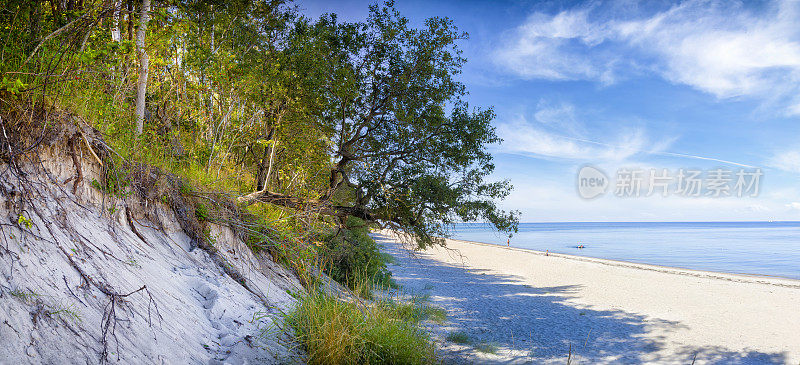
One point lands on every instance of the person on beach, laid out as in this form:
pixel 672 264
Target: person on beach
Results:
pixel 508 242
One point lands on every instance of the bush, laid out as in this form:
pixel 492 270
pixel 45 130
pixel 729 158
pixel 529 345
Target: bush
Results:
pixel 337 332
pixel 353 258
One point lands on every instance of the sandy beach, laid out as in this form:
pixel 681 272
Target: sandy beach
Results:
pixel 537 308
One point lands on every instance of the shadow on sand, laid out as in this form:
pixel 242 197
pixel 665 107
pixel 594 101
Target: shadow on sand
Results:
pixel 535 324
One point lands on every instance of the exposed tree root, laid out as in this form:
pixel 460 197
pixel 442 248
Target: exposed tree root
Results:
pixel 108 324
pixel 75 161
pixel 133 227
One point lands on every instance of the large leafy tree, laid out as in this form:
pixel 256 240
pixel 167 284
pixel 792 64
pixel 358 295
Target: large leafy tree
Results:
pixel 406 150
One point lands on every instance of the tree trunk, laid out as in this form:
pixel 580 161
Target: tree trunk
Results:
pixel 129 16
pixel 115 32
pixel 144 62
pixel 266 163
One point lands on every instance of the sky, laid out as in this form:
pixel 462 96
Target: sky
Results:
pixel 631 86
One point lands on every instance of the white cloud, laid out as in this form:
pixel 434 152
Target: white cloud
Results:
pixel 521 136
pixel 793 205
pixel 557 132
pixel 545 47
pixel 756 208
pixel 721 48
pixel 787 161
pixel 560 116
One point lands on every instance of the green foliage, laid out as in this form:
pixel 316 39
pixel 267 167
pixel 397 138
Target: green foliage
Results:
pixel 352 257
pixel 210 239
pixel 201 212
pixel 359 122
pixel 409 151
pixel 27 296
pixel 284 237
pixel 13 86
pixel 248 95
pixel 337 332
pixel 114 183
pixel 24 222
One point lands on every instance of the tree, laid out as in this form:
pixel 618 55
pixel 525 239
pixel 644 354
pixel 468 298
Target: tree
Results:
pixel 407 151
pixel 144 63
pixel 115 32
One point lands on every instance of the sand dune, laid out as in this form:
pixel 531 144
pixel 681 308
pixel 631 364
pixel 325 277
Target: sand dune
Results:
pixel 535 308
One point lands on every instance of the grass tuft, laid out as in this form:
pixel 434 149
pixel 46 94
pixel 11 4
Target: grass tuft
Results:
pixel 460 338
pixel 337 332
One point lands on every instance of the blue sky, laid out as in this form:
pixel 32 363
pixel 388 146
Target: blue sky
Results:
pixel 624 84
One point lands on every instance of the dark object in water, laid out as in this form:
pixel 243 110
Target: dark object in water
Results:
pixel 580 246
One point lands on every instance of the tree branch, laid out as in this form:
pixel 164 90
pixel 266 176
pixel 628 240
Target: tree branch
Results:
pixel 320 207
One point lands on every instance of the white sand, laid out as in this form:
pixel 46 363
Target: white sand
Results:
pixel 532 307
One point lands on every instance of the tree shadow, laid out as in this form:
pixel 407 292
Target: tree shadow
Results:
pixel 537 325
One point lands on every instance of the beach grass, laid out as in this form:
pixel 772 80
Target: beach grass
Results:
pixel 460 338
pixel 419 309
pixel 334 331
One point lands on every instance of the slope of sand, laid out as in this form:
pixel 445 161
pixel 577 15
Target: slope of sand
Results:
pixel 538 309
pixel 173 304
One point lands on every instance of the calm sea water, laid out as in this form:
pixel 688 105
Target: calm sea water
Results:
pixel 761 248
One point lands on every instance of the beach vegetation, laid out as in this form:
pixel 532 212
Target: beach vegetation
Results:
pixel 419 308
pixel 353 258
pixel 336 331
pixel 458 337
pixel 435 314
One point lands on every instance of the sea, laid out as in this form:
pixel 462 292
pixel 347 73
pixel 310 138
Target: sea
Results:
pixel 754 248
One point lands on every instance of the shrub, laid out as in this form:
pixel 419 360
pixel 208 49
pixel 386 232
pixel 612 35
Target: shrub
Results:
pixel 353 258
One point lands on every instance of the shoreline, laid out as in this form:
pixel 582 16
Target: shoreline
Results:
pixel 535 308
pixel 740 277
